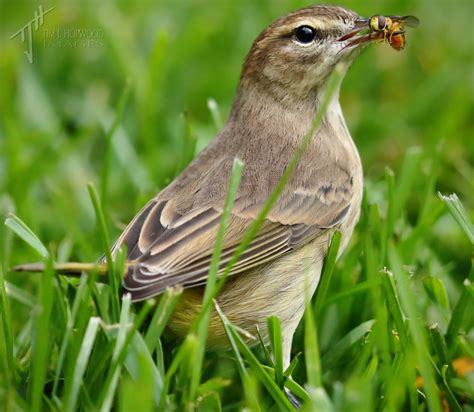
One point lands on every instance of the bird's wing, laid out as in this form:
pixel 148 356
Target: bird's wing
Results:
pixel 321 199
pixel 173 247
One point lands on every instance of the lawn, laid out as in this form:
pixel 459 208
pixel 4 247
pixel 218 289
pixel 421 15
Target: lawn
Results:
pixel 119 98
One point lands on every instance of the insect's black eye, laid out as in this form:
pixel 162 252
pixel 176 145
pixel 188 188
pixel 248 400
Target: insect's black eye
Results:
pixel 378 23
pixel 382 22
pixel 305 34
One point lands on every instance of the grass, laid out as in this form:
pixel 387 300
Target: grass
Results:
pixel 391 325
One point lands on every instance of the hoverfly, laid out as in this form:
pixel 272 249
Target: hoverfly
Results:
pixel 392 28
pixel 385 28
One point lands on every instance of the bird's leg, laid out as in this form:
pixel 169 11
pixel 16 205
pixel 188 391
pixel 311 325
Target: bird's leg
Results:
pixel 286 347
pixel 293 399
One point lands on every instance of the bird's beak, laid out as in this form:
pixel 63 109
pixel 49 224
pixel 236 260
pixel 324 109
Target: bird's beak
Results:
pixel 360 34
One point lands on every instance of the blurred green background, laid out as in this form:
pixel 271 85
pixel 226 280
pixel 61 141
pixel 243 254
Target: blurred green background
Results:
pixel 173 56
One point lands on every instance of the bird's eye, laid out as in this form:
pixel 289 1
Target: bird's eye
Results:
pixel 305 34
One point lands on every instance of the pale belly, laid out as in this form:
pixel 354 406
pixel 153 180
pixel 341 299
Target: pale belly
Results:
pixel 248 299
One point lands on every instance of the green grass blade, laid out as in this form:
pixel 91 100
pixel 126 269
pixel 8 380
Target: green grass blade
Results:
pixel 108 389
pixel 74 385
pixel 360 288
pixel 390 215
pixel 143 369
pixel 437 291
pixel 326 274
pixel 227 327
pixel 311 347
pixel 373 258
pixel 275 392
pixel 40 340
pixel 24 232
pixel 341 347
pixel 252 394
pixel 211 288
pixel 274 332
pixel 266 352
pixel 293 364
pixel 319 401
pixel 186 348
pixel 81 297
pixel 124 338
pixel 417 330
pixel 161 316
pixel 448 392
pixel 104 235
pixel 237 171
pixel 291 384
pixel 464 305
pixel 7 357
pixel 446 372
pixel 239 347
pixel 441 349
pixel 108 144
pixel 394 307
pixel 459 214
pixel 406 180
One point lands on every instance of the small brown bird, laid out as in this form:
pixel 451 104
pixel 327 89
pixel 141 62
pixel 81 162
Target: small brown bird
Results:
pixel 171 240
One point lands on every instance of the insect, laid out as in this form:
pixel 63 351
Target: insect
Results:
pixel 384 28
pixel 392 28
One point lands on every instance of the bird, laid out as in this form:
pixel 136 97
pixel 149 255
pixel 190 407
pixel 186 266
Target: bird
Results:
pixel 170 241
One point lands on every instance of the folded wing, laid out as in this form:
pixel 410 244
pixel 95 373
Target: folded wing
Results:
pixel 170 247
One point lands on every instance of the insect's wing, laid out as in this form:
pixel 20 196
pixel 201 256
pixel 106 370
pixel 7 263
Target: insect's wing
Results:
pixel 409 21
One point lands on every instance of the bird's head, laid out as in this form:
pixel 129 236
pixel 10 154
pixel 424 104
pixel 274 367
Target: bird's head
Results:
pixel 295 55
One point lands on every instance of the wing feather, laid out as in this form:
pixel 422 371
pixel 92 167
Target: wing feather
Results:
pixel 172 239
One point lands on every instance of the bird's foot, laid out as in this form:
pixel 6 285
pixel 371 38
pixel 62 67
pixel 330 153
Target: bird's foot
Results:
pixel 293 399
